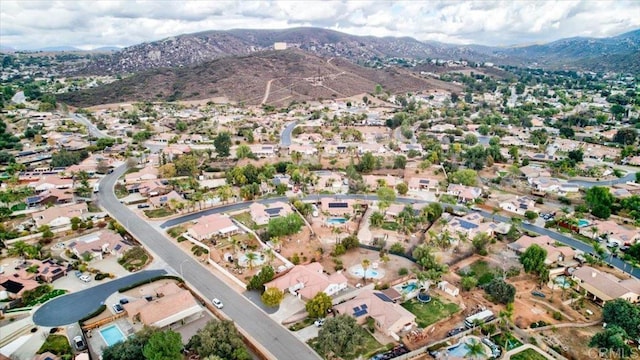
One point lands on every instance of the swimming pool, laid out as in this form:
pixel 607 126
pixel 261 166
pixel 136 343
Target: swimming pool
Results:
pixel 583 223
pixel 562 281
pixel 336 221
pixel 358 271
pixel 112 335
pixel 461 349
pixel 410 287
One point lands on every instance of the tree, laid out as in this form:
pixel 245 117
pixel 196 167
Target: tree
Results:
pixel 258 280
pixel 272 297
pixel 385 194
pixel 567 132
pixel 614 338
pixel 468 283
pixel 626 136
pixel 222 143
pixel 480 242
pixel 130 349
pixel 624 314
pixel 531 215
pixel 399 162
pixel 576 155
pixel 318 306
pixel 475 157
pixel 163 345
pixel 533 259
pixel 219 338
pixel 470 139
pixel 284 225
pixel 296 157
pixel 430 267
pixel 475 349
pixel 339 336
pixel 376 219
pixel 365 266
pixel 244 151
pixel 167 171
pixel 402 188
pixel 466 177
pixel 367 163
pixel 599 199
pixel 186 165
pixel 500 291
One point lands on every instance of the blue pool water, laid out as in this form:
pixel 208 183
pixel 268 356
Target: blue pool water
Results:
pixel 409 287
pixel 112 335
pixel 459 350
pixel 583 222
pixel 358 271
pixel 336 221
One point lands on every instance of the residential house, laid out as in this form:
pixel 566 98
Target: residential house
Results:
pixel 405 148
pixel 612 232
pixel 44 356
pixel 213 225
pixel 389 317
pixel 336 207
pixel 168 199
pixel 264 150
pixel 519 205
pixel 173 306
pixel 144 174
pixel 173 151
pixel 60 215
pixel 49 182
pixel 555 254
pixel 12 287
pixel 41 270
pixel 303 149
pixel 464 193
pixel 602 287
pixel 98 244
pixel 261 214
pixel 469 225
pixel 329 181
pixel 423 184
pixel 534 171
pixel 50 197
pixel 90 164
pixel 305 281
pixel 376 181
pixel 149 188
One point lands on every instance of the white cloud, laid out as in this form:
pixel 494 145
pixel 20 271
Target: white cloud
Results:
pixel 32 24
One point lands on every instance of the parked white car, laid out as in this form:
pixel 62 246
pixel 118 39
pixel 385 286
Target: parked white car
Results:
pixel 85 278
pixel 217 303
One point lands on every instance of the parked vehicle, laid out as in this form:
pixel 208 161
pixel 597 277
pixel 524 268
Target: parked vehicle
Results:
pixel 124 301
pixel 143 206
pixel 455 331
pixel 538 294
pixel 319 322
pixel 78 343
pixel 85 278
pixel 117 308
pixel 217 303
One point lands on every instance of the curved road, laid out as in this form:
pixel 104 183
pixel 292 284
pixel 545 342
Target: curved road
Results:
pixel 569 241
pixel 285 136
pixel 280 342
pixel 631 176
pixel 71 308
pixel 93 130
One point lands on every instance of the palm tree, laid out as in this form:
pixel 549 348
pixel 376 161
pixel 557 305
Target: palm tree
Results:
pixel 224 192
pixel 270 255
pixel 475 349
pixel 275 242
pixel 376 219
pixel 296 157
pixel 252 257
pixel 365 266
pixel 594 230
pixel 20 249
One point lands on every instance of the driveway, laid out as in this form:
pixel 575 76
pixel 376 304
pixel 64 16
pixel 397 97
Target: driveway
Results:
pixel 307 333
pixel 70 308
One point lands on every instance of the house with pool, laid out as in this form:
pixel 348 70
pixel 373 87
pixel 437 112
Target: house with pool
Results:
pixel 335 207
pixel 173 306
pixel 390 318
pixel 601 287
pixel 305 281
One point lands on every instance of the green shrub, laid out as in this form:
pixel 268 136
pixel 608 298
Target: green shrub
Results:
pixel 149 281
pixel 93 314
pixel 403 271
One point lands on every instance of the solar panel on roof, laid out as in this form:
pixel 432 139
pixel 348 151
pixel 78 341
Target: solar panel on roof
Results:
pixel 360 313
pixel 424 181
pixel 163 198
pixel 383 297
pixel 118 247
pixel 273 211
pixel 33 199
pixel 467 225
pixel 338 205
pixel 364 306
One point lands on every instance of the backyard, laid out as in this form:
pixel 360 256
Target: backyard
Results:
pixel 369 347
pixel 431 312
pixel 506 340
pixel 159 213
pixel 245 218
pixel 56 344
pixel 528 354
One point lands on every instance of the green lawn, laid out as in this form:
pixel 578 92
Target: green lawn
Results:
pixel 134 259
pixel 431 312
pixel 501 340
pixel 158 213
pixel 390 225
pixel 301 324
pixel 56 344
pixel 528 354
pixel 245 218
pixel 175 231
pixel 120 191
pixel 481 271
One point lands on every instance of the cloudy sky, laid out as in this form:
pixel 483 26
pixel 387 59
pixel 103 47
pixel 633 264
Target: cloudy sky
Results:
pixel 88 24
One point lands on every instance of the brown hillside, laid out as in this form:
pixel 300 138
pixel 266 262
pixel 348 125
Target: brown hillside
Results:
pixel 293 75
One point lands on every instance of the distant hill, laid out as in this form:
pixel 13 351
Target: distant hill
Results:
pixel 292 74
pixel 614 53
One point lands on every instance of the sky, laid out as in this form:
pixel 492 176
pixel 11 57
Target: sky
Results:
pixel 90 24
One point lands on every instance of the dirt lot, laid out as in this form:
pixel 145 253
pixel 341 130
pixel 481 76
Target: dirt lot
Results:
pixel 573 341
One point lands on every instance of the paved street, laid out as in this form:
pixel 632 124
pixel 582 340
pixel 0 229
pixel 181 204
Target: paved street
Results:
pixel 276 339
pixel 70 308
pixel 93 130
pixel 285 136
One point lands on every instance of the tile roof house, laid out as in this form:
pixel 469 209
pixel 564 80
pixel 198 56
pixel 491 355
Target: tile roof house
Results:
pixel 149 188
pixel 212 226
pixel 555 254
pixel 602 287
pixel 172 306
pixel 261 214
pixel 375 181
pixel 98 244
pixel 146 173
pixel 45 356
pixel 612 232
pixel 167 199
pixel 14 286
pixel 263 150
pixel 470 225
pixel 423 184
pixel 464 193
pixel 51 182
pixel 60 215
pixel 41 270
pixel 52 196
pixel 305 281
pixel 519 205
pixel 336 207
pixel 390 318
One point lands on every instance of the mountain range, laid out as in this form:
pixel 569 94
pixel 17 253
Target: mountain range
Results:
pixel 618 53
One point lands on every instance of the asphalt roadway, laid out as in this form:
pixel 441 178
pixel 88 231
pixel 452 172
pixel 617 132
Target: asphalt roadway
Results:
pixel 70 308
pixel 569 241
pixel 285 135
pixel 280 342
